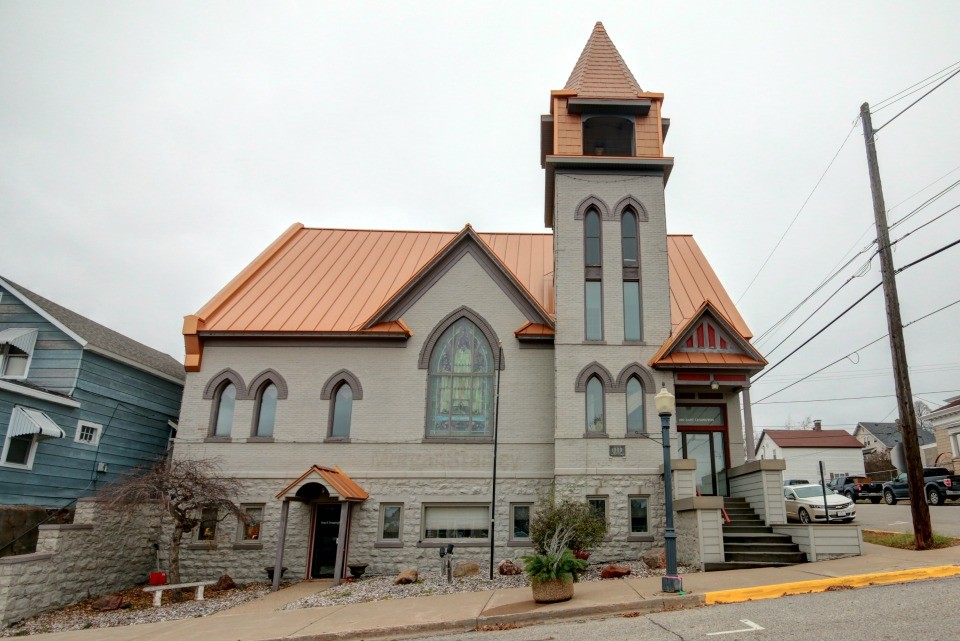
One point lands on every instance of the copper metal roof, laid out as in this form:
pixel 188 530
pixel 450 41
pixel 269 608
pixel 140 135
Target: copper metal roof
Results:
pixel 813 438
pixel 693 281
pixel 336 479
pixel 333 281
pixel 601 72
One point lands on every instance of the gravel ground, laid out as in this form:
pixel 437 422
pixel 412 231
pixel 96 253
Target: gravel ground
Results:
pixel 379 588
pixel 140 610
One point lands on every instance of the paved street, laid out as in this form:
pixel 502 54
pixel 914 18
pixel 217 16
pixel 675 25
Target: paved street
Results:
pixel 945 518
pixel 867 614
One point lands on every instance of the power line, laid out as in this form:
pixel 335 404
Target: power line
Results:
pixel 849 398
pixel 929 222
pixel 936 76
pixel 905 109
pixel 929 201
pixel 863 270
pixel 799 211
pixel 837 270
pixel 821 330
pixel 842 358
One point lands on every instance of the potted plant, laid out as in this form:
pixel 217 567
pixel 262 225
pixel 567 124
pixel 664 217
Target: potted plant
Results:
pixel 553 571
pixel 583 525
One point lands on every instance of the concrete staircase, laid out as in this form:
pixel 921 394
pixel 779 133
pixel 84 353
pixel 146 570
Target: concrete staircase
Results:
pixel 748 543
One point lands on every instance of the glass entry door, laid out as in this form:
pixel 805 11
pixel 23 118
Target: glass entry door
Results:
pixel 709 449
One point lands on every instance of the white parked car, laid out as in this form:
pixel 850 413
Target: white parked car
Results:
pixel 805 504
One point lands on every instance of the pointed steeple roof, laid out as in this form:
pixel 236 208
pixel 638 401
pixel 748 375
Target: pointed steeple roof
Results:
pixel 601 72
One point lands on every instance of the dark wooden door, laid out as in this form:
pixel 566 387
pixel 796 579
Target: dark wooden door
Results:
pixel 326 528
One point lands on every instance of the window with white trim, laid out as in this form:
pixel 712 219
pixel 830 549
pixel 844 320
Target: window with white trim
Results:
pixel 456 521
pixel 88 433
pixel 18 451
pixel 391 521
pixel 16 347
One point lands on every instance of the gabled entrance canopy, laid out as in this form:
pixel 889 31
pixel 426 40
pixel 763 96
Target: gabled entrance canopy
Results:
pixel 330 485
pixel 336 482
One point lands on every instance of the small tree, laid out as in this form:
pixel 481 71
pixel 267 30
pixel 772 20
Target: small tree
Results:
pixel 878 464
pixel 182 489
pixel 581 525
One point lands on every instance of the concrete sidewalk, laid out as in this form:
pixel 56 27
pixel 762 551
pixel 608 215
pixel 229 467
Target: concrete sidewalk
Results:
pixel 258 621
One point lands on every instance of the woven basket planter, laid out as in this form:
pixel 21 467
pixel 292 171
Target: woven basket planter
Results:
pixel 552 591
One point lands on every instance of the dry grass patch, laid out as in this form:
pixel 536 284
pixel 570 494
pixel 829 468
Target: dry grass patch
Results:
pixel 905 540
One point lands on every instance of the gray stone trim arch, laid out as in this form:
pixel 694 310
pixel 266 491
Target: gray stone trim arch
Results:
pixel 225 375
pixel 623 203
pixel 461 312
pixel 598 370
pixel 592 201
pixel 641 372
pixel 346 376
pixel 269 375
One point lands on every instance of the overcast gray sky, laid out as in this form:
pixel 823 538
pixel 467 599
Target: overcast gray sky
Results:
pixel 148 151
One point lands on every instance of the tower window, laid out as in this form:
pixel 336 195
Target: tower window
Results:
pixel 608 136
pixel 628 236
pixel 591 248
pixel 632 323
pixel 595 421
pixel 594 310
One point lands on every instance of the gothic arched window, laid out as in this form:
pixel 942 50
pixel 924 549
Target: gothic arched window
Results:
pixel 225 400
pixel 342 411
pixel 266 410
pixel 595 422
pixel 460 401
pixel 634 405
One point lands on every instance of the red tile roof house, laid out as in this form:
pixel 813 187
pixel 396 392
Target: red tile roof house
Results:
pixel 802 450
pixel 349 377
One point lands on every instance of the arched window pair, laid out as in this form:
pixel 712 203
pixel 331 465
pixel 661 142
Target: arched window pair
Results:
pixel 593 285
pixel 595 381
pixel 596 407
pixel 227 388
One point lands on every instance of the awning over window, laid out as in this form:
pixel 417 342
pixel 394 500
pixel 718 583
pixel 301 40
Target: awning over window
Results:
pixel 25 421
pixel 21 338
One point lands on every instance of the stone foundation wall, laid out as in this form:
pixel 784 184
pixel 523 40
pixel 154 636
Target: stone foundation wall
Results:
pixel 621 544
pixel 245 561
pixel 99 553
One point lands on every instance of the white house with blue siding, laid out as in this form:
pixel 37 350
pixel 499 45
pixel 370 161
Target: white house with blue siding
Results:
pixel 79 403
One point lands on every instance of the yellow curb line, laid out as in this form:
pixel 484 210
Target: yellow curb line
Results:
pixel 821 585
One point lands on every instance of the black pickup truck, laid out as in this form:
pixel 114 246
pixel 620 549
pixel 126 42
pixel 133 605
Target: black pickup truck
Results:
pixel 938 486
pixel 857 488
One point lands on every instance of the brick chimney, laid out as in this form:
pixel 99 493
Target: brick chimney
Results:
pixel 816 425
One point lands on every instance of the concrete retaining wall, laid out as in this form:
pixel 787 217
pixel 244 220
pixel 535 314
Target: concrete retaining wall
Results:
pixel 99 553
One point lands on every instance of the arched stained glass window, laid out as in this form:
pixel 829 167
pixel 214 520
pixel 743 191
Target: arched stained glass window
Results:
pixel 634 405
pixel 342 411
pixel 266 410
pixel 460 399
pixel 628 237
pixel 226 400
pixel 594 414
pixel 591 248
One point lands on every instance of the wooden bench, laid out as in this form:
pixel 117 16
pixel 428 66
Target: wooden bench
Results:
pixel 158 590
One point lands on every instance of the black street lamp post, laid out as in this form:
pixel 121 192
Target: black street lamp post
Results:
pixel 666 405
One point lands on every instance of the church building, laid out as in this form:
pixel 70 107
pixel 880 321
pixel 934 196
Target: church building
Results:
pixel 354 380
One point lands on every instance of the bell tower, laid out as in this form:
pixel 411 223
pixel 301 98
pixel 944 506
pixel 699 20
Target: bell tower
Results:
pixel 602 149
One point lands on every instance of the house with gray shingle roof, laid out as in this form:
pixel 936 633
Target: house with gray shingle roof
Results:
pixel 880 438
pixel 79 402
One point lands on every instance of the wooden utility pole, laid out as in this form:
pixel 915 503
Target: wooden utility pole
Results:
pixel 922 531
